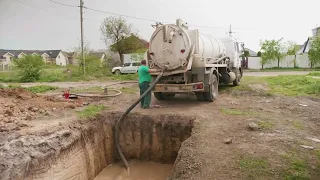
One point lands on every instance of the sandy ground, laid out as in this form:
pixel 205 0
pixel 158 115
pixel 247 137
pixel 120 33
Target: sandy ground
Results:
pixel 242 135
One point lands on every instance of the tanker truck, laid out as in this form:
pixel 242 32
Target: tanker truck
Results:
pixel 193 62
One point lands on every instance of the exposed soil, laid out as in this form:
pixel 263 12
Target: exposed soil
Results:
pixel 223 144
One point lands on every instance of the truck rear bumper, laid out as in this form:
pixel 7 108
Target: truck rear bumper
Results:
pixel 180 88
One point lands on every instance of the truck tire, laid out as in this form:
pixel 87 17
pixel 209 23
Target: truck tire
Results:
pixel 168 96
pixel 213 89
pixel 200 96
pixel 161 96
pixel 236 82
pixel 158 96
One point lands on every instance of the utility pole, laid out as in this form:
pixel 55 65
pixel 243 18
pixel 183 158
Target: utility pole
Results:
pixel 230 31
pixel 81 20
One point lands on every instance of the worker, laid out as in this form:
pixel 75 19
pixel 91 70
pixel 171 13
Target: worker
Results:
pixel 144 83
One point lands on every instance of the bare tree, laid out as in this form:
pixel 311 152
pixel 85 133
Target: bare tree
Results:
pixel 113 30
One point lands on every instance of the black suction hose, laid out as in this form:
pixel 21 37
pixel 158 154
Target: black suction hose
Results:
pixel 125 114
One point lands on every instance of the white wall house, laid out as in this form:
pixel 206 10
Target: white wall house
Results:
pixel 61 59
pixel 127 58
pixel 49 56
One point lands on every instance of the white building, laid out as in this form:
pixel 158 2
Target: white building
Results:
pixel 49 56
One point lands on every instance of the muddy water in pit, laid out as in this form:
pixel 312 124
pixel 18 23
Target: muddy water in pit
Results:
pixel 138 171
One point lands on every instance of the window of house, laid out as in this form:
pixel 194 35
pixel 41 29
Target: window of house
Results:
pixel 58 56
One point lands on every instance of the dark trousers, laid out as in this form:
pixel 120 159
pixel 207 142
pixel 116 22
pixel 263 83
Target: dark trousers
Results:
pixel 146 101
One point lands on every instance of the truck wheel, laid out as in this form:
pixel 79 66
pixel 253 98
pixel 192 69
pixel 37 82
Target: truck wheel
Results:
pixel 236 82
pixel 117 72
pixel 200 96
pixel 158 95
pixel 213 89
pixel 168 96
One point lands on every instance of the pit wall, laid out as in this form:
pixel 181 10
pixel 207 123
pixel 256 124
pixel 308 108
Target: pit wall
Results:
pixel 143 137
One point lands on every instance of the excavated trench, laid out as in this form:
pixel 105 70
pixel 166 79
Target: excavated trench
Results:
pixel 150 142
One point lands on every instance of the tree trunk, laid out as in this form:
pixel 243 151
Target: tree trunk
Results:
pixel 262 65
pixel 278 62
pixel 121 57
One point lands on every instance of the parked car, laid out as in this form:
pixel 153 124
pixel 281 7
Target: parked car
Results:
pixel 127 68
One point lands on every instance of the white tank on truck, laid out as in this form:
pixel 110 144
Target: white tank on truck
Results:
pixel 193 62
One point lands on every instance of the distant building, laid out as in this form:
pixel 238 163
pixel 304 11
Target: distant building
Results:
pixel 49 56
pixel 307 44
pixel 252 53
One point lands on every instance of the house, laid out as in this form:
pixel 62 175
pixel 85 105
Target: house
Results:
pixel 307 44
pixel 49 56
pixel 99 54
pixel 251 53
pixel 6 58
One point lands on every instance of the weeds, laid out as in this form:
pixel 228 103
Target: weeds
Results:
pixel 129 90
pixel 298 125
pixel 41 88
pixel 91 111
pixel 297 170
pixel 294 85
pixel 255 166
pixel 266 124
pixel 234 112
pixel 315 73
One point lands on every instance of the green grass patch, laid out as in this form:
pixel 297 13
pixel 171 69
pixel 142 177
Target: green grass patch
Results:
pixel 255 166
pixel 291 85
pixel 276 69
pixel 234 112
pixel 88 89
pixel 266 124
pixel 91 111
pixel 14 86
pixel 294 85
pixel 318 154
pixel 315 73
pixel 124 77
pixel 129 90
pixel 298 125
pixel 297 169
pixel 41 88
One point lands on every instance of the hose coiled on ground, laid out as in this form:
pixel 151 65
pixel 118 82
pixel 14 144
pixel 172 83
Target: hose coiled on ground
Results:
pixel 123 117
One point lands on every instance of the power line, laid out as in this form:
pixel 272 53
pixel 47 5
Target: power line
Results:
pixel 63 4
pixel 21 2
pixel 134 17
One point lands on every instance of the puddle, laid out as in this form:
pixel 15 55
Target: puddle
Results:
pixel 138 171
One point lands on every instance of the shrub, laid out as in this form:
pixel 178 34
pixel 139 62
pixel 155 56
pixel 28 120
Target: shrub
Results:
pixel 29 67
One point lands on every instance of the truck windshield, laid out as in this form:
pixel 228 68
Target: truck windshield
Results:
pixel 126 64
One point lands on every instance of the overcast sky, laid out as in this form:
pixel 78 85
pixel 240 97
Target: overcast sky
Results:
pixel 42 24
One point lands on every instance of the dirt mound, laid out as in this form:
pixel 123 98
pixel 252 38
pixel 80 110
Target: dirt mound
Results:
pixel 19 93
pixel 18 106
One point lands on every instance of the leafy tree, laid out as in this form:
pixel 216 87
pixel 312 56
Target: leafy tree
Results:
pixel 86 53
pixel 259 54
pixel 292 49
pixel 29 67
pixel 314 52
pixel 117 34
pixel 271 50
